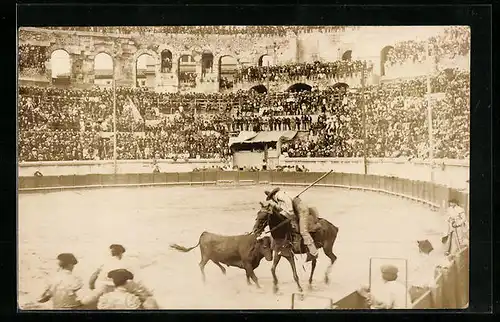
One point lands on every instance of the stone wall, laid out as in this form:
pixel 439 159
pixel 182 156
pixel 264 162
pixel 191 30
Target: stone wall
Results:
pixel 364 43
pixel 84 46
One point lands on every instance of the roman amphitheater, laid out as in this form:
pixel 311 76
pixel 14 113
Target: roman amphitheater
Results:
pixel 149 136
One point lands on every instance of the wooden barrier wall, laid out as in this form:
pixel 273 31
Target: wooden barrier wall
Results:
pixel 452 173
pixel 421 191
pixel 452 283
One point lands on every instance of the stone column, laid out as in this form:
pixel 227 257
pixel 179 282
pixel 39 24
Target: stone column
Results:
pixel 198 71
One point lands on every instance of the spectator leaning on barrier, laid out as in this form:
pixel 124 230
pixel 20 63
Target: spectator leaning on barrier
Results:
pixel 389 293
pixel 458 227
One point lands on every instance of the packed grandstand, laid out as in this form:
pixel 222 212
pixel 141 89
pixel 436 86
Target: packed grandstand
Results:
pixel 62 124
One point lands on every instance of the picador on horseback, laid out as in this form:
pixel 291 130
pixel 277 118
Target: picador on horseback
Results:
pixel 302 219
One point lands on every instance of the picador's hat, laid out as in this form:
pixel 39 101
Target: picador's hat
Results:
pixel 67 259
pixel 271 194
pixel 425 246
pixel 118 248
pixel 120 276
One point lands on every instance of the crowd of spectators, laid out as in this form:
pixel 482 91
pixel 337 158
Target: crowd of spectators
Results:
pixel 31 57
pixel 181 138
pixel 396 122
pixel 290 72
pixel 454 41
pixel 70 124
pixel 225 83
pixel 188 78
pixel 204 30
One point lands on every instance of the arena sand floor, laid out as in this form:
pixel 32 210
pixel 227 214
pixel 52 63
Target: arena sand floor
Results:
pixel 147 220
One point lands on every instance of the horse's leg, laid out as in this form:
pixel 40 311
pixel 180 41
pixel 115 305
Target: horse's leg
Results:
pixel 248 280
pixel 313 266
pixel 294 270
pixel 202 264
pixel 276 260
pixel 327 248
pixel 220 266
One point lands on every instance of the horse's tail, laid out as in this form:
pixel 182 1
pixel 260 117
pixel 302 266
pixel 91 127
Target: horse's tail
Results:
pixel 182 248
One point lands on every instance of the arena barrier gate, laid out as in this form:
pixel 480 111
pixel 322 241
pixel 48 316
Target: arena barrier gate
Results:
pixel 452 283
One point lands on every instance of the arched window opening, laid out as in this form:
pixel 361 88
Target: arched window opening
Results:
pixel 299 87
pixel 347 55
pixel 145 71
pixel 103 70
pixel 265 61
pixel 207 62
pixel 343 86
pixel 261 89
pixel 166 61
pixel 384 58
pixel 187 70
pixel 61 67
pixel 228 66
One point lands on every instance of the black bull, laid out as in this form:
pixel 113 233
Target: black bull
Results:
pixel 281 230
pixel 243 251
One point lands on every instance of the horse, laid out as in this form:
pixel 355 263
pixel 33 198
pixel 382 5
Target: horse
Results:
pixel 281 231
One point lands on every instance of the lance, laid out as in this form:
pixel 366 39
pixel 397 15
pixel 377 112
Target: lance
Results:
pixel 312 184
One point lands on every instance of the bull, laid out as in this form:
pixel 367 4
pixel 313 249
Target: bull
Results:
pixel 243 251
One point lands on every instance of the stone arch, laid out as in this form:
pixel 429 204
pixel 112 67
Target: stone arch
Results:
pixel 207 61
pixel 63 69
pixel 166 58
pixel 103 76
pixel 340 85
pixel 299 87
pixel 261 62
pixel 218 58
pixel 383 58
pixel 189 67
pixel 54 48
pixel 224 72
pixel 145 67
pixel 136 56
pixel 101 51
pixel 347 55
pixel 259 89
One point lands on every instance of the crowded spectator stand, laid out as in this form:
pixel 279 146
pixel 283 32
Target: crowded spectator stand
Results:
pixel 455 41
pixel 73 124
pixel 68 124
pixel 206 30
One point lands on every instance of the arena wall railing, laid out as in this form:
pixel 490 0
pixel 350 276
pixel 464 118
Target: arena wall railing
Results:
pixel 451 286
pixel 452 173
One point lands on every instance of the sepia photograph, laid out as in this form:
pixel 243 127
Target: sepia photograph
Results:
pixel 243 167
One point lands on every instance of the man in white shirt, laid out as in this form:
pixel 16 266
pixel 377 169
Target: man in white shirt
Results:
pixel 120 298
pixel 99 279
pixel 101 284
pixel 64 286
pixel 388 293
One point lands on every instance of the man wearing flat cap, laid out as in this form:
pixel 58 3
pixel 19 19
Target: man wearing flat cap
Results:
pixel 292 208
pixel 101 283
pixel 119 298
pixel 389 293
pixel 115 262
pixel 64 285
